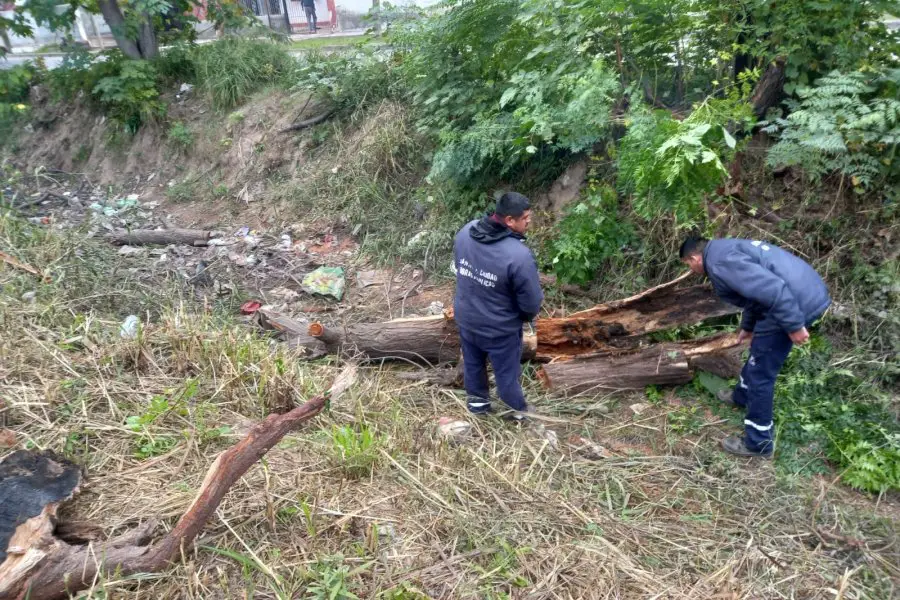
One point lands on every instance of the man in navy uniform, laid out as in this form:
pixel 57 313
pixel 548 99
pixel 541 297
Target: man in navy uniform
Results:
pixel 781 296
pixel 497 292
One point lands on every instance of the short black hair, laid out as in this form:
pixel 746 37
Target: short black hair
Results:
pixel 512 204
pixel 691 246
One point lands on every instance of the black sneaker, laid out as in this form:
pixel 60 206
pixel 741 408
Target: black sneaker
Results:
pixel 519 416
pixel 479 407
pixel 735 445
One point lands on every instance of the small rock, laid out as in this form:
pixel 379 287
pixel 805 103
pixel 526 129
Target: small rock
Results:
pixel 284 294
pixel 7 438
pixel 436 308
pixel 639 408
pixel 185 88
pixel 130 250
pixel 29 297
pixel 589 449
pixel 417 239
pixel 454 430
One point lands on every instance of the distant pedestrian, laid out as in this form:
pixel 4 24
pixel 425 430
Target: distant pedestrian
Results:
pixel 309 7
pixel 497 292
pixel 781 296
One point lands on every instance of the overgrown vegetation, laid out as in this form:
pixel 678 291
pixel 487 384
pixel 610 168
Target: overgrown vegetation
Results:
pixel 660 99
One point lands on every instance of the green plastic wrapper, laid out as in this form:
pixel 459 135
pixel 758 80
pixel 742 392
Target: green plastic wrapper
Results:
pixel 326 281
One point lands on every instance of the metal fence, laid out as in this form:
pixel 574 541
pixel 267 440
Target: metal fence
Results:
pixel 288 16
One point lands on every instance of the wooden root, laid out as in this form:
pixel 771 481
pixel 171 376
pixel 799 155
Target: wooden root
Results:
pixel 52 569
pixel 160 237
pixel 311 122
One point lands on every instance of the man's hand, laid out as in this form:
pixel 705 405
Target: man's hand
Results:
pixel 799 337
pixel 745 336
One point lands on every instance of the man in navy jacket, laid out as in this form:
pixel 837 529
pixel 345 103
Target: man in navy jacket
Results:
pixel 781 296
pixel 497 292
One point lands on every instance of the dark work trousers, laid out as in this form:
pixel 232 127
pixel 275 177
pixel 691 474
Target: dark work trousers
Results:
pixel 310 17
pixel 756 389
pixel 505 354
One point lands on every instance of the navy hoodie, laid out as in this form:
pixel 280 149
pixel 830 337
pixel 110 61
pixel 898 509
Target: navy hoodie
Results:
pixel 497 283
pixel 777 290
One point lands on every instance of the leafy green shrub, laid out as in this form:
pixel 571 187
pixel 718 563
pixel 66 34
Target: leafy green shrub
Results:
pixel 230 70
pixel 181 135
pixel 15 83
pixel 845 123
pixel 570 112
pixel 130 96
pixel 350 80
pixel 11 117
pixel 670 166
pixel 124 89
pixel 78 73
pixel 176 65
pixel 590 234
pixel 833 412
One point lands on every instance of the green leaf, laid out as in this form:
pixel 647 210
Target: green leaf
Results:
pixel 729 140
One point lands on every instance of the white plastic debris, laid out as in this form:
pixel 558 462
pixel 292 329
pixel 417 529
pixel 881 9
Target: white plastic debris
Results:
pixel 129 328
pixel 29 297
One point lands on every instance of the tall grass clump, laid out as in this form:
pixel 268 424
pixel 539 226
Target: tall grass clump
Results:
pixel 231 70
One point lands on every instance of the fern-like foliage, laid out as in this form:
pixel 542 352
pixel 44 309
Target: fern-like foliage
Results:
pixel 669 166
pixel 848 123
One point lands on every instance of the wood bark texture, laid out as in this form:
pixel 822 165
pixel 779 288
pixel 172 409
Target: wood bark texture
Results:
pixel 659 364
pixel 769 88
pixel 618 325
pixel 426 340
pixel 295 333
pixel 51 569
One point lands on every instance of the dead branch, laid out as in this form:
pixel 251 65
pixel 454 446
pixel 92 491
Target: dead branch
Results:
pixel 160 237
pixel 53 569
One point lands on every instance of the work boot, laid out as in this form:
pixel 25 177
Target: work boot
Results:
pixel 735 445
pixel 727 397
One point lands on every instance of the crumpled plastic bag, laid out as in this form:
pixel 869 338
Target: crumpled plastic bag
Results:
pixel 326 281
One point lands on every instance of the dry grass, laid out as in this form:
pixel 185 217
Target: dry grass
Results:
pixel 508 513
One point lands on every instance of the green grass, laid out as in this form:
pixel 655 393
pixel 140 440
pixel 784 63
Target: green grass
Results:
pixel 321 40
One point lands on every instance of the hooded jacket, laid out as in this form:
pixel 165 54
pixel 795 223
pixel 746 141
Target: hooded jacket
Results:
pixel 777 290
pixel 497 284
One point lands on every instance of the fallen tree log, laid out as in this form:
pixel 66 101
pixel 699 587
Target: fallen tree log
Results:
pixel 50 569
pixel 660 364
pixel 616 326
pixel 619 325
pixel 429 340
pixel 294 332
pixel 160 237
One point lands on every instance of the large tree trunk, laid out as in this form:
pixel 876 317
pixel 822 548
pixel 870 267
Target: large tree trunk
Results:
pixel 147 41
pixel 660 364
pixel 51 569
pixel 769 89
pixel 612 327
pixel 144 47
